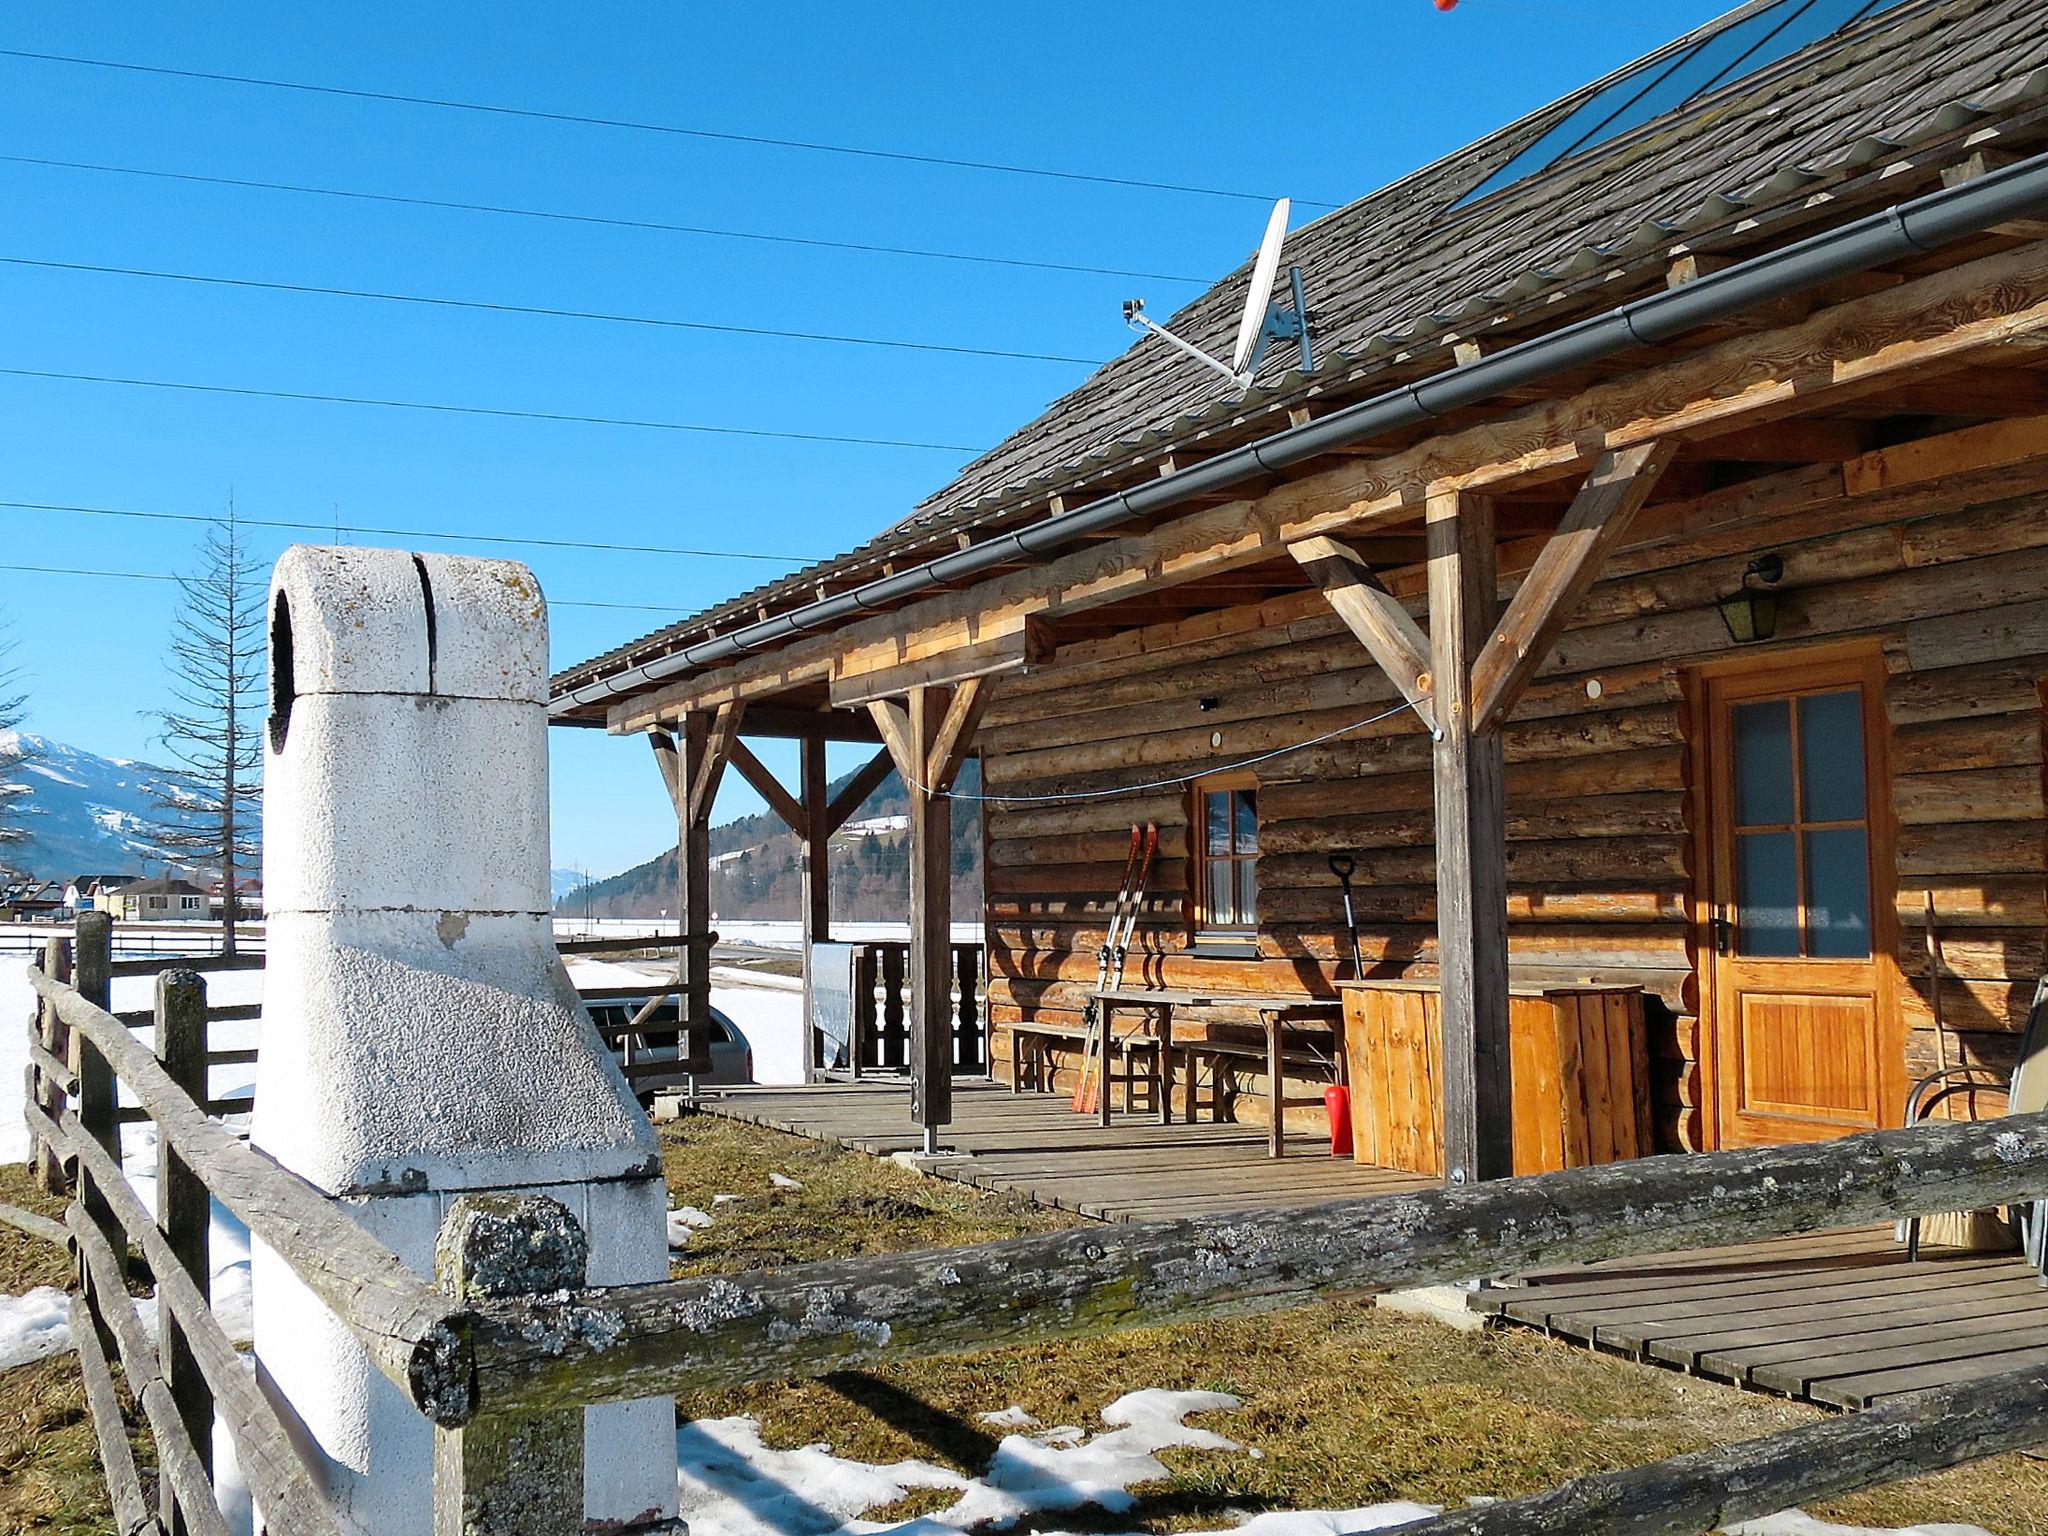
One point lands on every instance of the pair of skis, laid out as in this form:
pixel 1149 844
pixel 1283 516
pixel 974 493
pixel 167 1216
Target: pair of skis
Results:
pixel 1109 963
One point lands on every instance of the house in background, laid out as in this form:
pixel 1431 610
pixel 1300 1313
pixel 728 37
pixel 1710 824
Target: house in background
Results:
pixel 26 900
pixel 83 893
pixel 248 899
pixel 161 899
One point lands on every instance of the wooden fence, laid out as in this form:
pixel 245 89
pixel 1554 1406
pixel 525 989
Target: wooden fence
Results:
pixel 494 1372
pixel 880 1026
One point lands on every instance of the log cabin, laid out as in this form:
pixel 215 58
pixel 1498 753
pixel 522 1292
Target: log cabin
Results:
pixel 1643 583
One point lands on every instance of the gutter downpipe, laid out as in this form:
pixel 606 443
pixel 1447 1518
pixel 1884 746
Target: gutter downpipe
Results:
pixel 1922 225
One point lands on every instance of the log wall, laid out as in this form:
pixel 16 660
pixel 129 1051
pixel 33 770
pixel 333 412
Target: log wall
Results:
pixel 1948 576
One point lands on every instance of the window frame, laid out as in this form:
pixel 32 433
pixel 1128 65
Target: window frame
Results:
pixel 1205 928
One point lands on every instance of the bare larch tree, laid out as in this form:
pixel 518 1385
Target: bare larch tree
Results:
pixel 212 732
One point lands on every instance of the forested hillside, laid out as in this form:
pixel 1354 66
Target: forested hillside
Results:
pixel 756 869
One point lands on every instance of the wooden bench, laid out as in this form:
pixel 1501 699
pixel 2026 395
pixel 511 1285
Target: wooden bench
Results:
pixel 1031 1046
pixel 1276 1014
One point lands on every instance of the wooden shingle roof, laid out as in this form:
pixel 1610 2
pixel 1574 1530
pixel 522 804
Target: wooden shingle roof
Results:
pixel 1399 276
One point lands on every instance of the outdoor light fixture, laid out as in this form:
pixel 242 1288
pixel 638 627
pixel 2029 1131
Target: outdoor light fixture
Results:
pixel 1751 613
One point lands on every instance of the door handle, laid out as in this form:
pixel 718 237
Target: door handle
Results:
pixel 1724 934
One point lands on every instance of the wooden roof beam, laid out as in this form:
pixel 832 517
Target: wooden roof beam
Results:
pixel 1955 318
pixel 1377 617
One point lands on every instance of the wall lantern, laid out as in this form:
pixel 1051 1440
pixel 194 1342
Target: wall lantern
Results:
pixel 1752 613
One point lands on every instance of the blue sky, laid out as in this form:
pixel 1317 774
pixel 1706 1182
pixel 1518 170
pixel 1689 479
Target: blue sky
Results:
pixel 1319 101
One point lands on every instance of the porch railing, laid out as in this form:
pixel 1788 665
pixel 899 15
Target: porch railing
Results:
pixel 486 1370
pixel 879 1027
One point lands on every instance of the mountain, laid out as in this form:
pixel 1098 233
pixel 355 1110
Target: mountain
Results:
pixel 757 865
pixel 86 814
pixel 562 882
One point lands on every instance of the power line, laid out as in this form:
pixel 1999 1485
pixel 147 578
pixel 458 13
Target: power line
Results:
pixel 481 410
pixel 707 231
pixel 72 570
pixel 677 130
pixel 333 527
pixel 441 302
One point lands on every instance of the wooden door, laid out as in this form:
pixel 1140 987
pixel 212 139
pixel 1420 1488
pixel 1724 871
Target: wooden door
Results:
pixel 1801 1022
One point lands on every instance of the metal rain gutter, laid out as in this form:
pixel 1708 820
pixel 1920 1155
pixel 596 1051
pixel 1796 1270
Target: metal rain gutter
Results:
pixel 1924 224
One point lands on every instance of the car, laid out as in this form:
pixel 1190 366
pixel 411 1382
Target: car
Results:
pixel 654 1043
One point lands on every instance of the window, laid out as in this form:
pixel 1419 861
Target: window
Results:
pixel 1802 843
pixel 189 903
pixel 1666 81
pixel 1226 838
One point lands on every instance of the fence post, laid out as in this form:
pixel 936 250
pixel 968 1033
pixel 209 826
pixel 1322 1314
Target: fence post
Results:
pixel 98 1097
pixel 511 1474
pixel 184 1211
pixel 52 1033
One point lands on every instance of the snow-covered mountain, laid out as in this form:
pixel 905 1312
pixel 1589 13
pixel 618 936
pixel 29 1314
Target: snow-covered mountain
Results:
pixel 87 814
pixel 564 881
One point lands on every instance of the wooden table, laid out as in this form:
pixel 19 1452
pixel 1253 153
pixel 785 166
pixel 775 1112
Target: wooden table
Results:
pixel 1275 1013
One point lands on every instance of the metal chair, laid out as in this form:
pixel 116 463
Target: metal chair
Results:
pixel 2025 1093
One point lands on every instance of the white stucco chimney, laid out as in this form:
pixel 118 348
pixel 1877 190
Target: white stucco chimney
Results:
pixel 421 1039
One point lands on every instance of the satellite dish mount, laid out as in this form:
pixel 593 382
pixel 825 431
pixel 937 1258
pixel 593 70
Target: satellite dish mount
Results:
pixel 1264 321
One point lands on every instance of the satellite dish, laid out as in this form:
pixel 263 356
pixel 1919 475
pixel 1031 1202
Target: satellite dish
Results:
pixel 1263 322
pixel 1264 270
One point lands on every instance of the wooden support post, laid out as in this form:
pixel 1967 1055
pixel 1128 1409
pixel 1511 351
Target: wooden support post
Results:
pixel 929 735
pixel 1471 847
pixel 51 1033
pixel 184 1211
pixel 691 770
pixel 510 1474
pixel 817 882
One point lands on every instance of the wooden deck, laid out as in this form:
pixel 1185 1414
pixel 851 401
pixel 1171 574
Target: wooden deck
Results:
pixel 1033 1145
pixel 1838 1318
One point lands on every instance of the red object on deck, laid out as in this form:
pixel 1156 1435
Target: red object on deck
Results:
pixel 1337 1100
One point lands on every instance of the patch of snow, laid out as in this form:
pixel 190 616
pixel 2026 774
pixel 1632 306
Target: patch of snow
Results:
pixel 1797 1522
pixel 724 1199
pixel 682 1222
pixel 34 1327
pixel 783 1181
pixel 733 1485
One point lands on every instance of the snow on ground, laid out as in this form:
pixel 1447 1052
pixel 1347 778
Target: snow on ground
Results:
pixel 33 1327
pixel 1797 1522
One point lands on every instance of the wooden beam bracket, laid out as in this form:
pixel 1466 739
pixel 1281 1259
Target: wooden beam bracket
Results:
pixel 1372 613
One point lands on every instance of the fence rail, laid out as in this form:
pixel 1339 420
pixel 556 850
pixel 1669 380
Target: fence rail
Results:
pixel 486 1369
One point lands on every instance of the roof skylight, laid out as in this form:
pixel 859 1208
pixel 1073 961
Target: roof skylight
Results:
pixel 1661 84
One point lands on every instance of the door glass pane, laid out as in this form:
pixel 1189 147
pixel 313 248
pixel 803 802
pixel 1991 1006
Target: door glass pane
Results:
pixel 1763 762
pixel 1217 808
pixel 1831 756
pixel 1838 893
pixel 1247 892
pixel 1247 820
pixel 1222 909
pixel 1766 895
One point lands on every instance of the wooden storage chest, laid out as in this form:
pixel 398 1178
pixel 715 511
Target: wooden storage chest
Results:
pixel 1579 1063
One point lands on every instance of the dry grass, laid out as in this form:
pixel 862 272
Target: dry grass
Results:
pixel 1349 1405
pixel 49 1469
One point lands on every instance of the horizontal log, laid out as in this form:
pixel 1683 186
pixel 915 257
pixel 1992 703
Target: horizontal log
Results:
pixel 1970 848
pixel 1618 815
pixel 242 960
pixel 620 946
pixel 1981 794
pixel 1168 808
pixel 264 1447
pixel 1961 692
pixel 177 1458
pixel 1980 954
pixel 1981 741
pixel 1659 768
pixel 1993 1006
pixel 710 1334
pixel 1617 902
pixel 109 1427
pixel 1992 634
pixel 1709 1489
pixel 1964 901
pixel 397 1316
pixel 1167 875
pixel 35 1226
